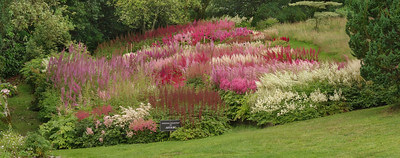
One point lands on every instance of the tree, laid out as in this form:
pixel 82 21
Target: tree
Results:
pixel 374 31
pixel 242 8
pixel 46 27
pixel 319 8
pixel 147 14
pixel 30 29
pixel 94 21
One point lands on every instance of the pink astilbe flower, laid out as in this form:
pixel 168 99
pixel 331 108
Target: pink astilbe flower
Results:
pixel 108 121
pixel 97 124
pixel 129 134
pixel 89 131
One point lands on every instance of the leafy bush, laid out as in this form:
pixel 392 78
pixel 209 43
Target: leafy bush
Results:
pixel 13 89
pixel 263 24
pixel 208 126
pixel 34 73
pixel 60 131
pixel 236 104
pixel 48 104
pixel 367 94
pixel 11 144
pixel 36 145
pixel 11 59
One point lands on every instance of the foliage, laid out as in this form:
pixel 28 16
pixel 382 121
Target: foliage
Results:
pixel 49 104
pixel 374 35
pixel 237 105
pixel 11 144
pixel 280 11
pixel 242 8
pixel 33 29
pixel 12 89
pixel 51 28
pixel 208 126
pixel 367 95
pixel 149 14
pixel 60 131
pixel 263 24
pixel 34 73
pixel 36 145
pixel 94 21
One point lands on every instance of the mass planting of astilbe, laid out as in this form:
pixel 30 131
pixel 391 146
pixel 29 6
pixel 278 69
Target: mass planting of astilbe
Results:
pixel 192 33
pixel 244 62
pixel 204 74
pixel 75 71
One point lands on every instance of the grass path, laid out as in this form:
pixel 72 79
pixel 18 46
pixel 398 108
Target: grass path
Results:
pixel 364 133
pixel 23 119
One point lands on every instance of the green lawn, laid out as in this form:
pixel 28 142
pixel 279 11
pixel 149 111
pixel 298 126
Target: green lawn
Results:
pixel 23 120
pixel 364 133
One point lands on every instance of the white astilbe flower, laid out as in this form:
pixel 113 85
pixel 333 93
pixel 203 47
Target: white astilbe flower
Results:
pixel 337 96
pixel 130 114
pixel 272 100
pixel 325 72
pixel 318 97
pixel 237 58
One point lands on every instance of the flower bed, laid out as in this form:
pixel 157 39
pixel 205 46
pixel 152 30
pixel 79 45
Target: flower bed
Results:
pixel 204 74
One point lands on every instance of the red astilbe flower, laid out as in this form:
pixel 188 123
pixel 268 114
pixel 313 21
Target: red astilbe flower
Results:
pixel 102 110
pixel 82 115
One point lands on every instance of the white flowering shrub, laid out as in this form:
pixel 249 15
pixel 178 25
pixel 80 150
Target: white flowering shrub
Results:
pixel 11 144
pixel 286 96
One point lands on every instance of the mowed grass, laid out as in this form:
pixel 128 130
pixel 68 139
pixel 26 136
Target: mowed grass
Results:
pixel 23 119
pixel 331 37
pixel 364 133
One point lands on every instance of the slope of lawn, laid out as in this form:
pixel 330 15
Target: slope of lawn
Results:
pixel 363 133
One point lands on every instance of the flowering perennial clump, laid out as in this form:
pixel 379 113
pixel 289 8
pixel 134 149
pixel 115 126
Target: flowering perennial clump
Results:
pixel 276 94
pixel 129 114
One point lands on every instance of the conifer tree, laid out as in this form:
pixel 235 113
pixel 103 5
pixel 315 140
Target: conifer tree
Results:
pixel 374 30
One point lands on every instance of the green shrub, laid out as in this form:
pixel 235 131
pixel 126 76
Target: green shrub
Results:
pixel 48 105
pixel 11 59
pixel 60 131
pixel 264 24
pixel 237 105
pixel 366 95
pixel 36 145
pixel 34 73
pixel 13 89
pixel 206 127
pixel 11 144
